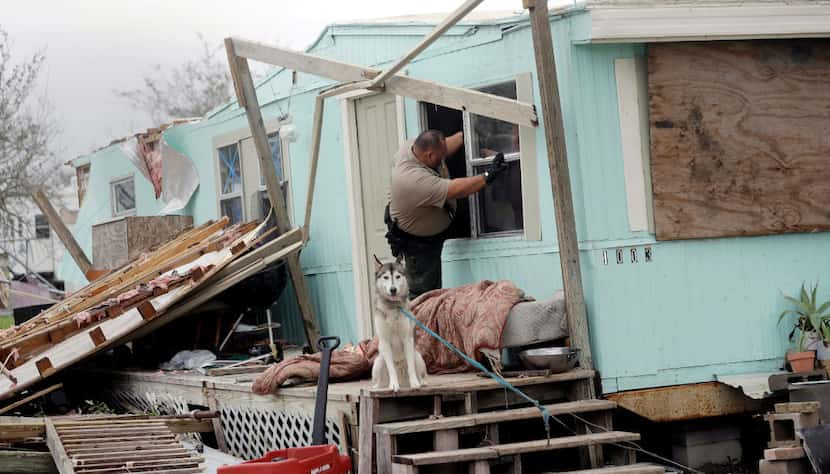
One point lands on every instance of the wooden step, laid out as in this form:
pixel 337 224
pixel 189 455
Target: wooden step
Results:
pixel 478 419
pixel 512 449
pixel 479 384
pixel 641 468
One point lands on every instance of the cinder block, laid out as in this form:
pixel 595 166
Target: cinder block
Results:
pixel 705 435
pixel 798 466
pixel 712 453
pixel 797 407
pixel 783 454
pixel 784 426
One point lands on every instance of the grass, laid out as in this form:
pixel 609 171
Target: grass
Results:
pixel 6 322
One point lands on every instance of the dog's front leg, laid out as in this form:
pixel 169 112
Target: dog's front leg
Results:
pixel 409 348
pixel 386 353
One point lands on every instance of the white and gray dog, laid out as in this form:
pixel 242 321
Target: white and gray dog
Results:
pixel 398 361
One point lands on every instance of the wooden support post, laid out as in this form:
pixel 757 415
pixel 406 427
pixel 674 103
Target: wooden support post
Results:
pixel 246 94
pixel 213 405
pixel 60 228
pixel 369 412
pixel 316 134
pixel 430 38
pixel 560 179
pixel 386 447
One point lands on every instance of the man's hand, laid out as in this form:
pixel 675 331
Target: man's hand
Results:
pixel 496 168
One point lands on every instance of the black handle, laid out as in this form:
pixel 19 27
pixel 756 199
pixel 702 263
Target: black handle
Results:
pixel 318 434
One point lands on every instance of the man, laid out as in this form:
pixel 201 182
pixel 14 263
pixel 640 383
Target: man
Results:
pixel 423 202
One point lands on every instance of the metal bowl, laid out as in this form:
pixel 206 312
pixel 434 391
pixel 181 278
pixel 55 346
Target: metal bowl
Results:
pixel 555 359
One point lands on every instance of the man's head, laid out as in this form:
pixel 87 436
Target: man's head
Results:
pixel 430 147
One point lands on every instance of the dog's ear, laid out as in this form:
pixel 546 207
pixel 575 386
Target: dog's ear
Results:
pixel 378 263
pixel 399 259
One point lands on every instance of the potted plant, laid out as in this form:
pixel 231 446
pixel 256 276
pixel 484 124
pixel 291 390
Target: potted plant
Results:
pixel 810 327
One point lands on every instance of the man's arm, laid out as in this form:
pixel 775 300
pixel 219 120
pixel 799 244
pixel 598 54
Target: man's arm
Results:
pixel 454 143
pixel 463 187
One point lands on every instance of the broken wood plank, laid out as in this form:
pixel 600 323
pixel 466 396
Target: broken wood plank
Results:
pixel 63 232
pixel 316 134
pixel 457 98
pixel 29 398
pixel 427 40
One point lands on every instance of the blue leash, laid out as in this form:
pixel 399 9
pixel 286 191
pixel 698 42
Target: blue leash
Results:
pixel 545 413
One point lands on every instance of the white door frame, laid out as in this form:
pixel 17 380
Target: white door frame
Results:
pixel 360 269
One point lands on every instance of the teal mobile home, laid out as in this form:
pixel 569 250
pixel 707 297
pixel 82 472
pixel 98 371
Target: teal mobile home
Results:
pixel 693 149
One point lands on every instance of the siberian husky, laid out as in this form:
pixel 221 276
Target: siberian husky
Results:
pixel 398 363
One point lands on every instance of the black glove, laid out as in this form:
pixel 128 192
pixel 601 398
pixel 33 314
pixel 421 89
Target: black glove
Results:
pixel 497 167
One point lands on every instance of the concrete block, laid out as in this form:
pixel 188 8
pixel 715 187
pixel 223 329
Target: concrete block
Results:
pixel 784 426
pixel 715 453
pixel 797 407
pixel 784 454
pixel 798 466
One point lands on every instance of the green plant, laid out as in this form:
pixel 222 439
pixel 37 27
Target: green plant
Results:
pixel 810 316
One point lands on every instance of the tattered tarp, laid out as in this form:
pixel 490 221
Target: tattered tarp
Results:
pixel 172 174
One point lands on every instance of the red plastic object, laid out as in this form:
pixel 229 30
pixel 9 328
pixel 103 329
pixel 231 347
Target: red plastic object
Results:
pixel 325 459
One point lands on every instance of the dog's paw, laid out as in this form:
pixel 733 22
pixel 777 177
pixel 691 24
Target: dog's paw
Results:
pixel 414 383
pixel 395 387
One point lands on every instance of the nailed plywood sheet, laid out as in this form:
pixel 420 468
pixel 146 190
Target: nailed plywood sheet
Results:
pixel 739 142
pixel 119 241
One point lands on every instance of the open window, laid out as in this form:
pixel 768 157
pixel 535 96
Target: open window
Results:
pixel 501 208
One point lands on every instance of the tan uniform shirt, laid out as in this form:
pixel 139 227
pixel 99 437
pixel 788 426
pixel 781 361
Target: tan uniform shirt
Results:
pixel 419 194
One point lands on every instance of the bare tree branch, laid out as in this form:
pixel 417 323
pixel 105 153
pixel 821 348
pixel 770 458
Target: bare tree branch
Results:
pixel 190 90
pixel 27 133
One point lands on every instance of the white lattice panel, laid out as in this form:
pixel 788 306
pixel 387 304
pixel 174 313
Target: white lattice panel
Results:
pixel 251 432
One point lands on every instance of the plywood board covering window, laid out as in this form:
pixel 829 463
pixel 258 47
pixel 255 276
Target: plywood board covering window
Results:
pixel 739 137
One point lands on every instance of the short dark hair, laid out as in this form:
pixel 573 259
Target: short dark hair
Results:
pixel 429 140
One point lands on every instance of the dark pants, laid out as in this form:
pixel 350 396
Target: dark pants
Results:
pixel 423 267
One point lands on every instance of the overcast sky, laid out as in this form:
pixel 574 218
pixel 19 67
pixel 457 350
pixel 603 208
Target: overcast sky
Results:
pixel 94 47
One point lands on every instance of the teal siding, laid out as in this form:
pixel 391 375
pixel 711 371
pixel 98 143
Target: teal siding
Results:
pixel 699 309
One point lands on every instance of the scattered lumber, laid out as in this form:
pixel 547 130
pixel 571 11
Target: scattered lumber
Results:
pixel 119 304
pixel 95 444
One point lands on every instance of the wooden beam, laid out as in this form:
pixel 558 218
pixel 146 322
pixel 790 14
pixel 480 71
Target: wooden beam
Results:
pixel 560 180
pixel 244 85
pixel 316 134
pixel 457 98
pixel 60 228
pixel 34 396
pixel 15 462
pixel 430 38
pixel 53 441
pixel 298 61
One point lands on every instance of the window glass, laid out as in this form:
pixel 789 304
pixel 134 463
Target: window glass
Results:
pixel 276 156
pixel 491 136
pixel 500 203
pixel 123 194
pixel 232 208
pixel 230 170
pixel 42 230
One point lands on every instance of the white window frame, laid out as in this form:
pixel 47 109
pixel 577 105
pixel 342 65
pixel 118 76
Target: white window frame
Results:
pixel 234 194
pixel 114 199
pixel 531 226
pixel 286 174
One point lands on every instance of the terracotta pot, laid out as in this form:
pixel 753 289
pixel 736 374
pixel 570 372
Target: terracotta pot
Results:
pixel 802 361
